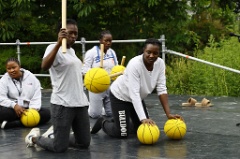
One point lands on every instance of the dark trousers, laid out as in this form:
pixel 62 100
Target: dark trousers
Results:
pixel 63 119
pixel 9 115
pixel 123 112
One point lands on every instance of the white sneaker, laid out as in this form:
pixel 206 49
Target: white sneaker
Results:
pixel 3 124
pixel 35 132
pixel 49 133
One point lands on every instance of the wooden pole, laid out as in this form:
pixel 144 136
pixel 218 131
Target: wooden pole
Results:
pixel 64 25
pixel 123 60
pixel 115 74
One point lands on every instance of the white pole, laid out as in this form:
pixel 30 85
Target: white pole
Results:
pixel 18 50
pixel 162 40
pixel 202 61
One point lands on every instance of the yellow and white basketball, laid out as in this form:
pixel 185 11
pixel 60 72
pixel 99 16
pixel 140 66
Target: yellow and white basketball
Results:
pixel 116 69
pixel 148 134
pixel 97 80
pixel 175 128
pixel 31 118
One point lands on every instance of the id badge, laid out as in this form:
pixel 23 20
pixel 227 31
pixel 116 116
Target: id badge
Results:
pixel 20 101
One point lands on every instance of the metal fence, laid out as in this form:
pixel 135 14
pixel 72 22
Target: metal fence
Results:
pixel 83 42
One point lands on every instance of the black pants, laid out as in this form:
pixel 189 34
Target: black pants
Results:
pixel 63 119
pixel 122 112
pixel 9 115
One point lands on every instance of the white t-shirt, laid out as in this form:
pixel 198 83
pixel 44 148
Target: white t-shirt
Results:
pixel 92 59
pixel 137 83
pixel 66 78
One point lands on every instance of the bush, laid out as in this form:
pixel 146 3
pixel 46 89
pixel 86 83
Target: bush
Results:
pixel 195 78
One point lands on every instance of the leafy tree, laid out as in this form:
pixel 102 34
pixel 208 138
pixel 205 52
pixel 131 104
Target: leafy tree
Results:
pixel 136 19
pixel 215 17
pixel 186 24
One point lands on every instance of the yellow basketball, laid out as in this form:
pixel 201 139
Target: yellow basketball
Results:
pixel 175 128
pixel 148 134
pixel 97 80
pixel 31 118
pixel 116 69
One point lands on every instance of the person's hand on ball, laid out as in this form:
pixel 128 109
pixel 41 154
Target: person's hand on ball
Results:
pixel 19 110
pixel 148 121
pixel 175 116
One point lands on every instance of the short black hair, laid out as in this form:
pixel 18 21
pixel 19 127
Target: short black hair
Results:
pixel 13 59
pixel 104 32
pixel 152 41
pixel 68 21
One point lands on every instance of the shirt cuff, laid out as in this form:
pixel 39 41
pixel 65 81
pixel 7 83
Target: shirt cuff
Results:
pixel 13 104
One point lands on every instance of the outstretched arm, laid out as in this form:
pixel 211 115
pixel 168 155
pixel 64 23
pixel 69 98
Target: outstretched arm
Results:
pixel 164 101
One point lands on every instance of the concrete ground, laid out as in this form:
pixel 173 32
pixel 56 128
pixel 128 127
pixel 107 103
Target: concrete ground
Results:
pixel 211 134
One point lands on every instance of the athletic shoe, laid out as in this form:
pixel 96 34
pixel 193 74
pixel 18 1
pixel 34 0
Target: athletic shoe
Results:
pixel 97 126
pixel 3 124
pixel 49 133
pixel 35 132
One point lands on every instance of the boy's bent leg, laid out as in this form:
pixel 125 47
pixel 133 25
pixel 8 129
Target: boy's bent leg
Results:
pixel 119 127
pixel 81 128
pixel 12 124
pixel 7 114
pixel 8 118
pixel 61 119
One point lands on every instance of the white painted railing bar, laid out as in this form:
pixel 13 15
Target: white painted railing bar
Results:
pixel 202 61
pixel 42 75
pixel 77 42
pixel 83 42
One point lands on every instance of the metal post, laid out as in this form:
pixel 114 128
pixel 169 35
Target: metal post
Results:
pixel 163 47
pixel 83 42
pixel 18 50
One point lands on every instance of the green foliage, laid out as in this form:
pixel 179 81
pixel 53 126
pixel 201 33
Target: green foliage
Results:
pixel 36 21
pixel 137 19
pixel 211 17
pixel 5 54
pixel 195 78
pixel 28 61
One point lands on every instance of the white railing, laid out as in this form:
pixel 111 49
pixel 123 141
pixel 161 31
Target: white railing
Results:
pixel 83 42
pixel 202 61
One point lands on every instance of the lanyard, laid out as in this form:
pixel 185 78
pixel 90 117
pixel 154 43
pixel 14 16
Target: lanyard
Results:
pixel 20 80
pixel 104 58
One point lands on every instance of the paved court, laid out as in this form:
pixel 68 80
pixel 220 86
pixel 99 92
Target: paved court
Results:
pixel 211 134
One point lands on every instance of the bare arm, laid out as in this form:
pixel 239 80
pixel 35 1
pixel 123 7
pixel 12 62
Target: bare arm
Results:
pixel 49 59
pixel 164 101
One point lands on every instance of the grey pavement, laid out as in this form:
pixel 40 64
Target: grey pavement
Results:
pixel 211 134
